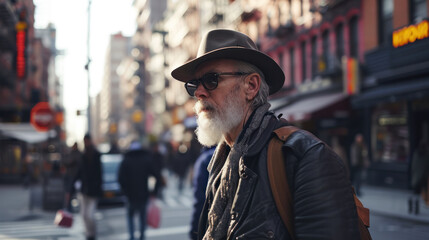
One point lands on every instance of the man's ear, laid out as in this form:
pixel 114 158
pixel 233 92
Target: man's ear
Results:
pixel 252 85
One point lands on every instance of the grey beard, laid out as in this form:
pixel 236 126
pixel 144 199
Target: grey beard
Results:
pixel 210 130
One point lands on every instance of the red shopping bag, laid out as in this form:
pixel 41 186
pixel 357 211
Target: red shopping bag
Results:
pixel 63 219
pixel 153 213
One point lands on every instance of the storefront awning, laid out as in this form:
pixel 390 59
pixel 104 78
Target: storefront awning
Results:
pixel 22 131
pixel 303 109
pixel 407 90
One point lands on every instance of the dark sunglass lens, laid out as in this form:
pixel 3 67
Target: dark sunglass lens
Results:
pixel 191 87
pixel 210 80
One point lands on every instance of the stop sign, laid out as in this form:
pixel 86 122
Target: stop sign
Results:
pixel 42 117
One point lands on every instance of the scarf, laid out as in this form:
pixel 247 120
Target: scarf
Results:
pixel 224 169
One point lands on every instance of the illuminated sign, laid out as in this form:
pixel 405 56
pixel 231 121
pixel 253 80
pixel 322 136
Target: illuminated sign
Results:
pixel 350 75
pixel 410 34
pixel 20 49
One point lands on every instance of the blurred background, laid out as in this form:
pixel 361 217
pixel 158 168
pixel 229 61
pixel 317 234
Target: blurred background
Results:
pixel 103 67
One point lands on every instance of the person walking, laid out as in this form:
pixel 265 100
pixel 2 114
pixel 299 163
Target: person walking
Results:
pixel 133 174
pixel 159 164
pixel 181 158
pixel 71 164
pixel 419 177
pixel 231 80
pixel 199 183
pixel 90 177
pixel 359 161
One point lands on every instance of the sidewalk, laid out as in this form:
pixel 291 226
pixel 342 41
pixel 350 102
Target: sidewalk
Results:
pixel 19 203
pixel 392 203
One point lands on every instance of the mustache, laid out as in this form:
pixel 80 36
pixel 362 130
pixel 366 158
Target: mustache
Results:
pixel 202 105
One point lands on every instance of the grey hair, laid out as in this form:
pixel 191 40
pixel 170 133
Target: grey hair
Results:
pixel 264 90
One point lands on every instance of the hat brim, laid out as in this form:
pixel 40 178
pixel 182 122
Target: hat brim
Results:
pixel 274 75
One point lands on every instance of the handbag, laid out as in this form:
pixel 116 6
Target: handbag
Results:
pixel 153 213
pixel 63 219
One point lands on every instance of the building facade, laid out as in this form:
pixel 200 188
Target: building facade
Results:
pixel 110 109
pixel 395 88
pixel 27 77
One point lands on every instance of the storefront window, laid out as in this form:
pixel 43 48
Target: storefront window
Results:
pixel 389 138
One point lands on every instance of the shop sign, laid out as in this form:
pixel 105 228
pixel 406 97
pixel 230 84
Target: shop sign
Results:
pixel 392 120
pixel 410 34
pixel 21 28
pixel 350 75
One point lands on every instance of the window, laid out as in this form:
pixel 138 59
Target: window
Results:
pixel 313 57
pixel 418 10
pixel 390 136
pixel 292 66
pixel 339 41
pixel 325 46
pixel 303 60
pixel 354 37
pixel 385 21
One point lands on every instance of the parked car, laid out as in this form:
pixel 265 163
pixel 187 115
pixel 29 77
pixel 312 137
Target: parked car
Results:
pixel 111 189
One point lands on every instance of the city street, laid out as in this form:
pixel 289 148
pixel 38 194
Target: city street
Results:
pixel 17 221
pixel 389 217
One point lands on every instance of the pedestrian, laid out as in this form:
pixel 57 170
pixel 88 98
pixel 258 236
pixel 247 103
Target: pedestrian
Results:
pixel 90 177
pixel 231 80
pixel 133 174
pixel 359 161
pixel 158 165
pixel 419 177
pixel 71 164
pixel 199 183
pixel 181 158
pixel 114 149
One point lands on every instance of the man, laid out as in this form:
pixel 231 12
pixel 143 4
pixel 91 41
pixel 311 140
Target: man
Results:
pixel 133 175
pixel 359 161
pixel 90 177
pixel 72 163
pixel 231 80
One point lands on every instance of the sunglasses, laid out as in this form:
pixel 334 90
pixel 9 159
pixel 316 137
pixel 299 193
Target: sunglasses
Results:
pixel 209 80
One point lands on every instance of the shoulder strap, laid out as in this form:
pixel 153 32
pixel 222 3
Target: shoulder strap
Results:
pixel 277 176
pixel 280 187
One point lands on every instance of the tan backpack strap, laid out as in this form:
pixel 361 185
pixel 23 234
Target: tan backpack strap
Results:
pixel 278 179
pixel 363 212
pixel 284 132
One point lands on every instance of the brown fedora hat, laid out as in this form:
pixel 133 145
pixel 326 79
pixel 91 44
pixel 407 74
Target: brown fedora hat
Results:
pixel 229 44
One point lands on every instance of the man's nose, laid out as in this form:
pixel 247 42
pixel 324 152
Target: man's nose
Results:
pixel 201 92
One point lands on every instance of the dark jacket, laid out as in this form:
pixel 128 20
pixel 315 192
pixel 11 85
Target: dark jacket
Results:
pixel 199 183
pixel 90 173
pixel 323 201
pixel 133 175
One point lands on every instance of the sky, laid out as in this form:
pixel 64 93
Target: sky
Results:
pixel 70 19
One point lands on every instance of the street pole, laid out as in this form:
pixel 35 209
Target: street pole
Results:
pixel 87 69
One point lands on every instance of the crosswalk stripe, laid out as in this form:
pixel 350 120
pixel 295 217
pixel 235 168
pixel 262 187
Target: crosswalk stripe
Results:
pixel 37 231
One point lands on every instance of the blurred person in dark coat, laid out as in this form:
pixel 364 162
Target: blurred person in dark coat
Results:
pixel 159 164
pixel 90 177
pixel 71 163
pixel 419 176
pixel 359 161
pixel 181 160
pixel 199 184
pixel 135 169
